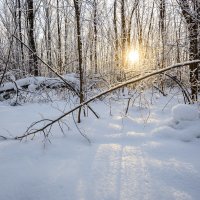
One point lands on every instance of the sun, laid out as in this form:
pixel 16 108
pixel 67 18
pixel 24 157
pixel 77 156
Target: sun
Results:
pixel 133 56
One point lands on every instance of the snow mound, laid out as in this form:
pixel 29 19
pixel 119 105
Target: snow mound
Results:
pixel 186 135
pixel 184 124
pixel 32 87
pixel 166 132
pixel 184 112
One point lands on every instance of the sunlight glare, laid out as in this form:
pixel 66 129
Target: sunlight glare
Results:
pixel 133 56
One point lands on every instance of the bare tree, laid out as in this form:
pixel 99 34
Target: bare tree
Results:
pixel 95 36
pixel 48 31
pixel 123 33
pixel 79 48
pixel 162 9
pixel 33 62
pixel 190 11
pixel 59 38
pixel 129 28
pixel 19 18
pixel 116 34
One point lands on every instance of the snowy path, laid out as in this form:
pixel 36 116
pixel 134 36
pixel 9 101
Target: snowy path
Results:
pixel 124 172
pixel 124 162
pixel 121 173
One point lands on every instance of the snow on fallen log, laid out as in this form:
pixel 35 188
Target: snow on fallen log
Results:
pixel 33 83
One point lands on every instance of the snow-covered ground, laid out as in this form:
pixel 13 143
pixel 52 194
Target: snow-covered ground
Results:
pixel 150 154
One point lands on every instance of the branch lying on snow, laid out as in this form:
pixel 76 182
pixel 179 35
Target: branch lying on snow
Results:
pixel 56 73
pixel 134 80
pixel 49 67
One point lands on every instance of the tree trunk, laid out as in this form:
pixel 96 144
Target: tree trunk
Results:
pixel 95 37
pixel 130 23
pixel 33 62
pixel 116 35
pixel 20 28
pixel 48 34
pixel 162 31
pixel 123 33
pixel 59 39
pixel 65 39
pixel 192 26
pixel 80 58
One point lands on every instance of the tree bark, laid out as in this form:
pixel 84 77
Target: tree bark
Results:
pixel 80 57
pixel 162 31
pixel 20 28
pixel 123 33
pixel 33 62
pixel 48 33
pixel 95 37
pixel 192 26
pixel 59 39
pixel 116 35
pixel 130 23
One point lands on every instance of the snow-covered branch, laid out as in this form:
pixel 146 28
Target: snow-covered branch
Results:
pixel 134 80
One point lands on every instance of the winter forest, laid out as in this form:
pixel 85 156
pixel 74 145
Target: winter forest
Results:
pixel 99 99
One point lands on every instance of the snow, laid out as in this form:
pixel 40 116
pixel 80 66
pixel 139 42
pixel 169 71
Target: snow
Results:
pixel 144 155
pixel 184 124
pixel 37 81
pixel 32 87
pixel 185 112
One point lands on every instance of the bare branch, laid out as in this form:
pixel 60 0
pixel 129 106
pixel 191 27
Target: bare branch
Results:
pixel 134 80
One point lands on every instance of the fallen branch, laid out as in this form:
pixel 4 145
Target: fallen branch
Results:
pixel 38 81
pixel 157 88
pixel 42 129
pixel 49 67
pixel 56 73
pixel 184 90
